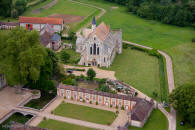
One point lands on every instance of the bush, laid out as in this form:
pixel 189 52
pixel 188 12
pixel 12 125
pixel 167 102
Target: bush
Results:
pixel 44 118
pixel 83 100
pixel 117 112
pixel 122 108
pixel 67 81
pixel 155 94
pixel 64 56
pixel 136 93
pixel 90 102
pixel 125 46
pixel 91 74
pixel 116 106
pixel 154 52
pixel 110 105
pixel 64 97
pixel 193 39
pixel 71 98
pixel 96 103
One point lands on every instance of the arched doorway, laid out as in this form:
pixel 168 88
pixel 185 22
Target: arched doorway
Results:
pixel 94 62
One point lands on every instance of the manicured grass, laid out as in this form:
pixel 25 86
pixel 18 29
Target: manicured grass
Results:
pixel 57 125
pixel 138 69
pixel 85 113
pixel 176 41
pixel 62 7
pixel 16 117
pixel 156 121
pixel 41 102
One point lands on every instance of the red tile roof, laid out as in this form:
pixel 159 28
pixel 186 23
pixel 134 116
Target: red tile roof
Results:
pixel 42 20
pixel 102 31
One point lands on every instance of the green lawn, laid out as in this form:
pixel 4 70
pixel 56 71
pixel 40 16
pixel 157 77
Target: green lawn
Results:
pixel 156 121
pixel 85 113
pixel 57 125
pixel 176 41
pixel 62 7
pixel 139 70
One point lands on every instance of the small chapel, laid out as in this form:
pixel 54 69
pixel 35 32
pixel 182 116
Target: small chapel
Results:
pixel 99 45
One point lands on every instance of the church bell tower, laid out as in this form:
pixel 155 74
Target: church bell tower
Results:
pixel 93 26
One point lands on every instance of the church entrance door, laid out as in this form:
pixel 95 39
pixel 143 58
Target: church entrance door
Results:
pixel 94 63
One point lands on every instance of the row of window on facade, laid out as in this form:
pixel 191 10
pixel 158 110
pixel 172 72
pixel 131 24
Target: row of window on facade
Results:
pixel 94 50
pixel 94 100
pixel 30 26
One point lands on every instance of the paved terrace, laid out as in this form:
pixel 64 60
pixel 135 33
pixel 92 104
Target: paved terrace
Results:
pixel 9 99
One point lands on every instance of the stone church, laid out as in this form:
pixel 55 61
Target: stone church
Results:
pixel 99 45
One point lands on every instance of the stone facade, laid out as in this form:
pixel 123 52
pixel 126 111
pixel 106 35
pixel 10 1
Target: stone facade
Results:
pixel 99 45
pixel 139 109
pixel 93 96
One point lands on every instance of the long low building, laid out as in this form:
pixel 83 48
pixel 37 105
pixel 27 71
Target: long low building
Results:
pixel 140 109
pixel 8 25
pixel 38 23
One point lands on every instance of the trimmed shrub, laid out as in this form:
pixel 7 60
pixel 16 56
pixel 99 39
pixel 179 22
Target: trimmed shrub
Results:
pixel 122 108
pixel 193 39
pixel 110 105
pixel 90 102
pixel 83 100
pixel 117 112
pixel 71 98
pixel 64 97
pixel 96 103
pixel 116 106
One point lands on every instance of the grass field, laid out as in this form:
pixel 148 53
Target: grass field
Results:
pixel 139 70
pixel 57 125
pixel 176 41
pixel 156 121
pixel 85 113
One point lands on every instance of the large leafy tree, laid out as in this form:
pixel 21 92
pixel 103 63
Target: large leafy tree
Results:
pixel 183 100
pixel 21 56
pixel 91 74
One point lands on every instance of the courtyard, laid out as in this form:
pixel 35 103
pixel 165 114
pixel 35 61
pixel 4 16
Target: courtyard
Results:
pixel 85 113
pixel 9 99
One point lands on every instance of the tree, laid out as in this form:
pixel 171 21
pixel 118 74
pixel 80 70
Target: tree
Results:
pixel 21 56
pixel 91 74
pixel 64 56
pixel 183 100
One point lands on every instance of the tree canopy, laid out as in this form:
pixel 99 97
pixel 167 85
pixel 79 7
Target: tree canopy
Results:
pixel 91 74
pixel 21 56
pixel 183 100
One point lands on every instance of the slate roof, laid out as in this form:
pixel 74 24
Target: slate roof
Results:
pixel 141 110
pixel 40 20
pixel 102 31
pixel 9 23
pixel 45 38
pixel 55 37
pixel 91 91
pixel 94 21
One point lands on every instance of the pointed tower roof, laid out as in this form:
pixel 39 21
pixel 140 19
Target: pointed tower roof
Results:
pixel 94 21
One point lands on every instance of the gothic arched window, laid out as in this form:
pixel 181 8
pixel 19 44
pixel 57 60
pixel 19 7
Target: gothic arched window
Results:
pixel 91 50
pixel 98 50
pixel 94 49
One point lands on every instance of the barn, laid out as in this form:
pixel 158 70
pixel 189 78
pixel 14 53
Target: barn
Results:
pixel 38 23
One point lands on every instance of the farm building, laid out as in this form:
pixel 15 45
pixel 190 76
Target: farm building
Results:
pixel 140 109
pixel 49 39
pixel 8 25
pixel 38 23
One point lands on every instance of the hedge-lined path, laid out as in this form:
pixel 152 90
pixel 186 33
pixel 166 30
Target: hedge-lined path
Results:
pixel 172 115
